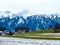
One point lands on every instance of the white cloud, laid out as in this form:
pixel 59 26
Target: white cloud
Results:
pixel 34 6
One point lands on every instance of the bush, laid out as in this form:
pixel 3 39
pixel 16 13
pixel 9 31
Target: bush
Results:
pixel 57 28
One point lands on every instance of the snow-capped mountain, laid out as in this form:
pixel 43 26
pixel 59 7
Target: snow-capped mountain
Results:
pixel 36 21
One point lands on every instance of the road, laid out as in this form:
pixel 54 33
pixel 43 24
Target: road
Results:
pixel 24 41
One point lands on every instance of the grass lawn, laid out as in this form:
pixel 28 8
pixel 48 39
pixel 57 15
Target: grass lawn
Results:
pixel 39 34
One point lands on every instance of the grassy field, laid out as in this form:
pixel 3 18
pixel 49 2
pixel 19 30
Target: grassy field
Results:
pixel 39 34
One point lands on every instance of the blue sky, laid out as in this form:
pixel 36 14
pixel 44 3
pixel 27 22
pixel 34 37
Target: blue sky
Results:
pixel 33 6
